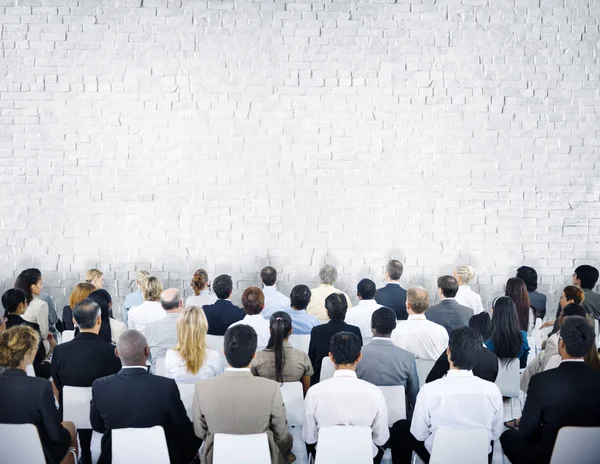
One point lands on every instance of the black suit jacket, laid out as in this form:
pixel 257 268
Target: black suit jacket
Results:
pixel 450 314
pixel 486 366
pixel 67 318
pixel 318 347
pixel 135 398
pixel 29 400
pixel 393 296
pixel 221 315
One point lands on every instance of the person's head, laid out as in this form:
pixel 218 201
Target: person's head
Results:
pixel 281 327
pixel 14 301
pixel 141 275
pixel 585 277
pixel 366 289
pixel 199 281
pixel 132 348
pixel 328 274
pixel 464 274
pixel 240 345
pixel 571 310
pixel 30 281
pixel 576 338
pixel 393 270
pixel 571 294
pixel 223 286
pixel 268 275
pixel 344 350
pixel 192 327
pixel 464 347
pixel 517 291
pixel 507 336
pixel 383 322
pixel 171 300
pixel 95 277
pixel 102 298
pixel 417 300
pixel 482 323
pixel 529 276
pixel 336 306
pixel 300 297
pixel 447 286
pixel 80 293
pixel 87 315
pixel 151 288
pixel 253 300
pixel 18 346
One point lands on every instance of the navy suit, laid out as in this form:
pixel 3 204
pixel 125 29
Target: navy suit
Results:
pixel 393 296
pixel 221 315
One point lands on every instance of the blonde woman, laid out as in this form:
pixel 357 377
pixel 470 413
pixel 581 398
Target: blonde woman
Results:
pixel 191 361
pixel 150 310
pixel 464 274
pixel 95 277
pixel 200 285
pixel 136 298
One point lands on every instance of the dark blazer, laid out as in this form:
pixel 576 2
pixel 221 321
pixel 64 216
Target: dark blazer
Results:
pixel 29 400
pixel 538 301
pixel 450 314
pixel 318 347
pixel 41 368
pixel 221 315
pixel 486 366
pixel 67 318
pixel 393 296
pixel 135 398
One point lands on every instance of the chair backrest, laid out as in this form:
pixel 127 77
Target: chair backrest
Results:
pixel 76 406
pixel 139 445
pixel 467 446
pixel 344 444
pixel 21 443
pixel 67 336
pixel 241 449
pixel 327 369
pixel 300 342
pixel 396 403
pixel 216 342
pixel 577 444
pixel 424 367
pixel 293 399
pixel 508 379
pixel 186 392
pixel 160 367
pixel 30 370
pixel 532 349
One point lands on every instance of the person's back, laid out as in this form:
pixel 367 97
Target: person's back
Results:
pixel 150 310
pixel 162 334
pixel 591 303
pixel 448 313
pixel 393 295
pixel 328 276
pixel 274 300
pixel 360 315
pixel 302 321
pixel 223 312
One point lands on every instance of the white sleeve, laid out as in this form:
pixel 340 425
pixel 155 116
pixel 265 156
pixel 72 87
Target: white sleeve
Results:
pixel 310 432
pixel 498 422
pixel 421 422
pixel 381 432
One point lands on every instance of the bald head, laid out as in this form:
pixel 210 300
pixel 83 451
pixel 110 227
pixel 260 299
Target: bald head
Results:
pixel 132 348
pixel 170 300
pixel 417 300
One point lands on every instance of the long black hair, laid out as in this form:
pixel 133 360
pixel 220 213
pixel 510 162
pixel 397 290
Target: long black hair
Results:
pixel 507 335
pixel 281 326
pixel 26 279
pixel 102 298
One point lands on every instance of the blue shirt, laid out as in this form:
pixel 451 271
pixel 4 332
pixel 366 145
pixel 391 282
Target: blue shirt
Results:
pixel 302 322
pixel 524 350
pixel 133 299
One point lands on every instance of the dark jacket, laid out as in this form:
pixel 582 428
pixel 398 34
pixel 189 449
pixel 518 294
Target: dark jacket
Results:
pixel 393 296
pixel 486 366
pixel 538 302
pixel 221 315
pixel 449 314
pixel 67 318
pixel 41 368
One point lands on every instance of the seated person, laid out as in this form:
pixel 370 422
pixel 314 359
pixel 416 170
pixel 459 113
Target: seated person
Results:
pixel 253 302
pixel 111 329
pixel 222 313
pixel 302 322
pixel 79 293
pixel 162 334
pixel 508 342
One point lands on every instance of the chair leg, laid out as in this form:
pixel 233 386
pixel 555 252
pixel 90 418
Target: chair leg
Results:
pixel 512 414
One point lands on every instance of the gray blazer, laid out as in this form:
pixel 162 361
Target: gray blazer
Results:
pixel 449 314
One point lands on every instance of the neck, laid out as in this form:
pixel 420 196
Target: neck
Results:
pixel 173 311
pixel 138 363
pixel 390 281
pixel 95 330
pixel 565 357
pixel 378 335
pixel 345 367
pixel 22 366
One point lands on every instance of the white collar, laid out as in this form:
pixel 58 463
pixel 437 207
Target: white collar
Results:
pixel 382 338
pixel 416 317
pixel 344 373
pixel 269 288
pixel 572 361
pixel 237 369
pixel 135 367
pixel 459 373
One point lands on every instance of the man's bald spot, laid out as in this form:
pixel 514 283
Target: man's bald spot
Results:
pixel 418 299
pixel 132 348
pixel 170 298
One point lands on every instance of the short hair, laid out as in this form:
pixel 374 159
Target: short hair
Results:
pixel 199 281
pixel 482 323
pixel 572 292
pixel 12 298
pixel 465 345
pixel 418 299
pixel 151 288
pixel 578 336
pixel 383 320
pixel 80 293
pixel 300 297
pixel 131 347
pixel 588 275
pixel 141 275
pixel 16 343
pixel 448 285
pixel 173 302
pixel 328 274
pixel 223 286
pixel 336 306
pixel 465 272
pixel 86 313
pixel 268 275
pixel 573 309
pixel 394 268
pixel 367 289
pixel 253 300
pixel 91 274
pixel 345 348
pixel 529 276
pixel 239 345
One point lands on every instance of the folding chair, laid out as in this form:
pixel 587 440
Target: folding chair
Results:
pixel 241 449
pixel 424 367
pixel 344 445
pixel 508 382
pixel 147 445
pixel 293 399
pixel 216 342
pixel 460 446
pixel 327 369
pixel 300 342
pixel 579 445
pixel 76 406
pixel 21 443
pixel 160 367
pixel 67 336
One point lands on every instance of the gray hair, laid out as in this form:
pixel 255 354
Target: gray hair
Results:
pixel 328 274
pixel 395 269
pixel 131 347
pixel 418 299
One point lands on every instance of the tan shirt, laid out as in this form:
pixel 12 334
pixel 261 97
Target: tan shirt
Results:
pixel 316 307
pixel 296 364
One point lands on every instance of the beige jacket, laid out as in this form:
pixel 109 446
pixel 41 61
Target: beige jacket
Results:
pixel 316 306
pixel 540 361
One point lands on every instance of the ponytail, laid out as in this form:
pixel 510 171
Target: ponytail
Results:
pixel 281 326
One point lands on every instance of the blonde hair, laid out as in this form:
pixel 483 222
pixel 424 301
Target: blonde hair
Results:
pixel 91 274
pixel 141 275
pixel 199 281
pixel 465 273
pixel 16 343
pixel 151 288
pixel 191 337
pixel 80 293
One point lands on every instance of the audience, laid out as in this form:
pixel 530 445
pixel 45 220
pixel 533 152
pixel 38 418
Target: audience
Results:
pixel 200 285
pixel 274 300
pixel 586 277
pixel 150 310
pixel 328 276
pixel 253 302
pixel 536 299
pixel 79 293
pixel 517 292
pixel 135 298
pixel 393 295
pixel 464 275
pixel 448 312
pixel 222 313
pixel 570 295
pixel 417 335
pixel 280 361
pixel 95 277
pixel 459 400
pixel 361 314
pixel 239 403
pixel 508 342
pixel 135 398
pixel 302 322
pixel 111 329
pixel 162 334
pixel 344 399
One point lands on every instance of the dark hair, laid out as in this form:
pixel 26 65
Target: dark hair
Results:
pixel 517 291
pixel 336 306
pixel 465 345
pixel 588 275
pixel 85 313
pixel 12 298
pixel 574 293
pixel 345 348
pixel 222 286
pixel 300 297
pixel 482 323
pixel 507 336
pixel 268 275
pixel 578 335
pixel 592 359
pixel 529 276
pixel 573 310
pixel 281 326
pixel 383 321
pixel 449 286
pixel 26 279
pixel 239 345
pixel 253 300
pixel 102 298
pixel 395 269
pixel 366 289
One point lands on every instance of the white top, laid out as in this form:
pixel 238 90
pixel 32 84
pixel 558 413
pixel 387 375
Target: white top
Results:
pixel 260 325
pixel 458 400
pixel 176 369
pixel 423 338
pixel 360 316
pixel 205 298
pixel 345 400
pixel 116 329
pixel 37 313
pixel 274 301
pixel 139 316
pixel 467 297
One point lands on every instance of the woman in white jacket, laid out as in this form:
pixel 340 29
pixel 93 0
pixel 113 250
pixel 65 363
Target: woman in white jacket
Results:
pixel 464 274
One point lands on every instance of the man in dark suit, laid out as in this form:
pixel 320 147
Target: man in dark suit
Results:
pixel 393 295
pixel 336 305
pixel 448 313
pixel 223 312
pixel 135 398
pixel 84 359
pixel 565 396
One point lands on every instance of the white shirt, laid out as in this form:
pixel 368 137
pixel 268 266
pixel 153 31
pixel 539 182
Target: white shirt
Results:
pixel 176 369
pixel 360 316
pixel 467 297
pixel 274 301
pixel 459 400
pixel 116 329
pixel 205 298
pixel 345 400
pixel 139 316
pixel 423 338
pixel 261 326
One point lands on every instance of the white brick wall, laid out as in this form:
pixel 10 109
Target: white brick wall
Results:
pixel 172 135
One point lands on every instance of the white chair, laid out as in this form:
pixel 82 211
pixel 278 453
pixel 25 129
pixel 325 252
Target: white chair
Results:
pixel 532 349
pixel 76 406
pixel 424 367
pixel 67 336
pixel 460 446
pixel 147 445
pixel 216 342
pixel 160 367
pixel 300 342
pixel 396 403
pixel 30 370
pixel 597 329
pixel 508 381
pixel 293 399
pixel 327 369
pixel 579 445
pixel 186 392
pixel 344 445
pixel 21 443
pixel 241 449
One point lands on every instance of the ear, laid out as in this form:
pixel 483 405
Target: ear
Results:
pixel 117 353
pixel 181 303
pixel 147 351
pixel 448 353
pixel 331 357
pixel 74 322
pixel 359 357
